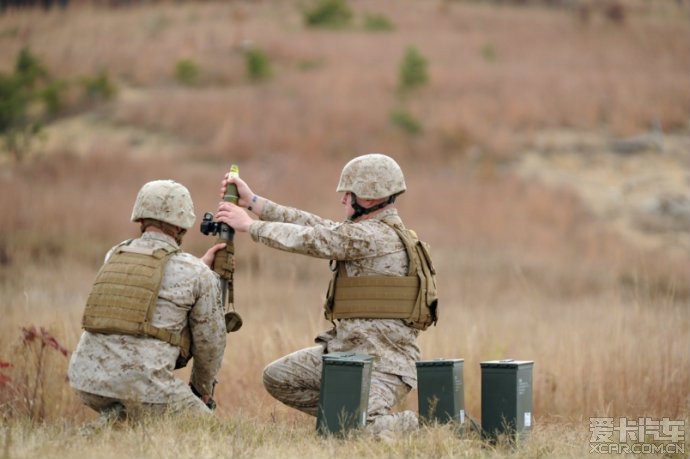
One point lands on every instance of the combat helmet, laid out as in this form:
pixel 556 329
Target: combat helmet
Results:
pixel 166 201
pixel 372 176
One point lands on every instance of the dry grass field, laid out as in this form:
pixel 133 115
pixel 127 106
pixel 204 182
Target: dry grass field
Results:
pixel 537 256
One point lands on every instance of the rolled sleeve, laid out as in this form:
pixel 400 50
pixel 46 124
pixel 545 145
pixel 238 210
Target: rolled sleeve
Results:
pixel 255 230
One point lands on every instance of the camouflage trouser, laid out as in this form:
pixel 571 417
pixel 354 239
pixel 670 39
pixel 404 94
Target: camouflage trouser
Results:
pixel 114 409
pixel 295 380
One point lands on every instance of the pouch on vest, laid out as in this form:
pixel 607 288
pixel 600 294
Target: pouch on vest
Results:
pixel 413 298
pixel 124 297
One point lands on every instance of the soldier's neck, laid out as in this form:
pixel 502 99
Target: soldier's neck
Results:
pixel 373 214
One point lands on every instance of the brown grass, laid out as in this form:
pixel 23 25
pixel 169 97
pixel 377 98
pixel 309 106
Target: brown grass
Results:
pixel 526 271
pixel 549 70
pixel 245 436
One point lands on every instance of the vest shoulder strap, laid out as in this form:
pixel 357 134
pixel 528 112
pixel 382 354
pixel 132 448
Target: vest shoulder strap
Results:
pixel 412 298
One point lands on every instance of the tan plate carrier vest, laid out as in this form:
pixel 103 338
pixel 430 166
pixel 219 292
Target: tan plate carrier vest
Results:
pixel 125 294
pixel 412 298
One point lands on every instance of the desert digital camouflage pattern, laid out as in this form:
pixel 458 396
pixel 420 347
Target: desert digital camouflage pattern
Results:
pixel 139 369
pixel 187 404
pixel 164 200
pixel 372 176
pixel 369 247
pixel 296 381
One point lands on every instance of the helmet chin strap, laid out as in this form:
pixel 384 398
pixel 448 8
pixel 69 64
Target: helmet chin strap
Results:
pixel 360 210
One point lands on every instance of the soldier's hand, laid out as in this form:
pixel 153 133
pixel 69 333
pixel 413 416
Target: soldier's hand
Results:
pixel 234 216
pixel 247 199
pixel 246 194
pixel 211 254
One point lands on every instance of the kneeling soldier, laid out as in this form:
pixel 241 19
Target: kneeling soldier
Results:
pixel 151 309
pixel 383 290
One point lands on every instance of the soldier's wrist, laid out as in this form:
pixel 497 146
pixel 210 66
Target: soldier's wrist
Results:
pixel 252 203
pixel 256 204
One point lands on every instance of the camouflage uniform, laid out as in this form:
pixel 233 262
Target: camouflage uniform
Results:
pixel 368 247
pixel 138 371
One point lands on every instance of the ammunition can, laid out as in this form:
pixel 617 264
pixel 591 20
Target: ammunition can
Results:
pixel 344 397
pixel 441 390
pixel 506 399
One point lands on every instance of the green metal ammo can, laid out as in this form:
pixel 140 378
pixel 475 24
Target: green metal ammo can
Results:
pixel 441 391
pixel 344 398
pixel 507 399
